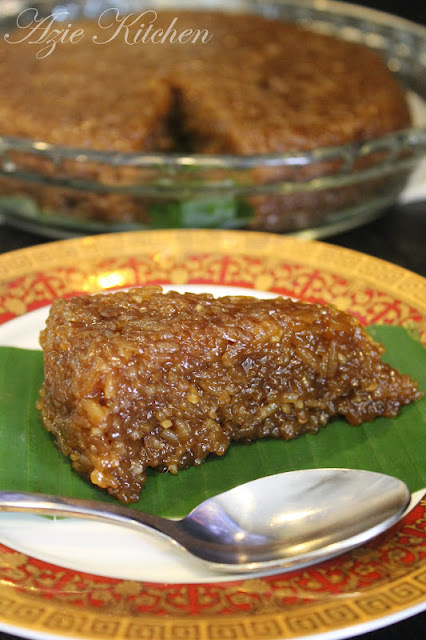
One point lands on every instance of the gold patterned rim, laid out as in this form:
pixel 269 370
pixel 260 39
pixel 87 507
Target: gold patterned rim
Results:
pixel 383 579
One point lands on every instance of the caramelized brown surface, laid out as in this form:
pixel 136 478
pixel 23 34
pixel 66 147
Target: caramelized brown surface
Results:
pixel 145 379
pixel 257 86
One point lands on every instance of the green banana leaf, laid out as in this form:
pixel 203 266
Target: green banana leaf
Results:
pixel 29 460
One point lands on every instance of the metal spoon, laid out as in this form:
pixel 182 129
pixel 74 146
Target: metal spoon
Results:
pixel 283 521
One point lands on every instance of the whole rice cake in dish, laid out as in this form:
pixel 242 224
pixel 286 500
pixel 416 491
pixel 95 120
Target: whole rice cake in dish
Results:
pixel 256 86
pixel 143 378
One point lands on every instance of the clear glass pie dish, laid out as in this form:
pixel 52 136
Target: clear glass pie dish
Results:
pixel 60 191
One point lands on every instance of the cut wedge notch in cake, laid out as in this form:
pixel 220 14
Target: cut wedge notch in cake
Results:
pixel 143 378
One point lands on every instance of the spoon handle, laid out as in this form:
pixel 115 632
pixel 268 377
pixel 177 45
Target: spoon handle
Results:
pixel 174 530
pixel 12 501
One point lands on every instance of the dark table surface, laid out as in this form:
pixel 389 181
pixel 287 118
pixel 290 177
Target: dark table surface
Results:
pixel 398 236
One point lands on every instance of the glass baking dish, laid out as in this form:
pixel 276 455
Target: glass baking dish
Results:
pixel 62 191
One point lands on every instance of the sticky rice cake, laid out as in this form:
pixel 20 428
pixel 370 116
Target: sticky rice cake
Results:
pixel 257 86
pixel 145 379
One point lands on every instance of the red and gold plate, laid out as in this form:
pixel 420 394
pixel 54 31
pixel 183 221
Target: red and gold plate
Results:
pixel 379 583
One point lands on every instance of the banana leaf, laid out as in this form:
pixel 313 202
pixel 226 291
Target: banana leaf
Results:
pixel 29 460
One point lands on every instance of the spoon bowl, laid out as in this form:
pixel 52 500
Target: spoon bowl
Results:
pixel 284 521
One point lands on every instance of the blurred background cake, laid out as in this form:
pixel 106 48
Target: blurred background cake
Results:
pixel 255 86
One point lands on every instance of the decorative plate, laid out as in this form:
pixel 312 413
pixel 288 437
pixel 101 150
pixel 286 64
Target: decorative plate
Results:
pixel 375 585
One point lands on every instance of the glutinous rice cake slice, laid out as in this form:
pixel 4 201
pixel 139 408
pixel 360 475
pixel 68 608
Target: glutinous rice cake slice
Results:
pixel 143 378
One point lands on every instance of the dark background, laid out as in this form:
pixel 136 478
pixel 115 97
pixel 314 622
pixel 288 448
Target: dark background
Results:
pixel 414 10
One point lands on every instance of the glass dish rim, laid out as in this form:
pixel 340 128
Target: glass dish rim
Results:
pixel 414 137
